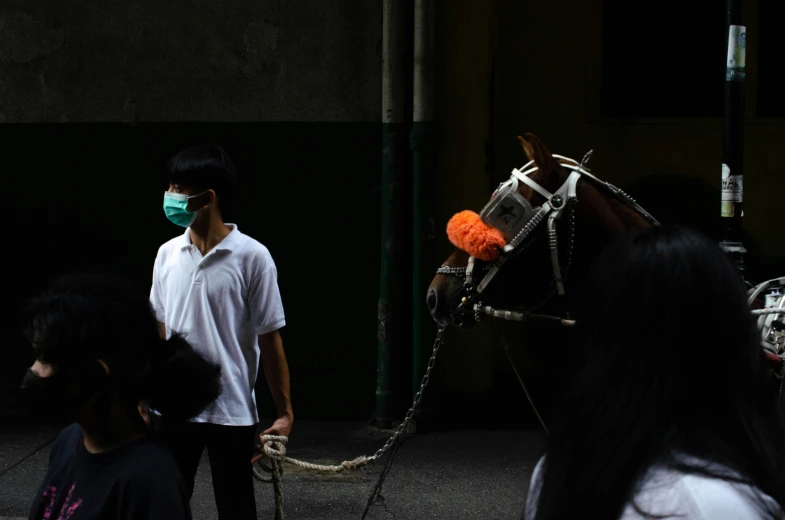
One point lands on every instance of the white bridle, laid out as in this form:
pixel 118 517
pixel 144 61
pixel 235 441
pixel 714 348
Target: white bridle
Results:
pixel 552 210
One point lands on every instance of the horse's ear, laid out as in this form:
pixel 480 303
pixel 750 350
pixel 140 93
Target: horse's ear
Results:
pixel 536 151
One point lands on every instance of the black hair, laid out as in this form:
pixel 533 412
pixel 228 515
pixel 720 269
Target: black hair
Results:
pixel 669 370
pixel 85 317
pixel 206 167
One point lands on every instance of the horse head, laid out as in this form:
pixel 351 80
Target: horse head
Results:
pixel 534 240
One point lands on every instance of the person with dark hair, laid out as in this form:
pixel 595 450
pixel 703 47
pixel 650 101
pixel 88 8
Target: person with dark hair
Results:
pixel 218 288
pixel 101 363
pixel 670 414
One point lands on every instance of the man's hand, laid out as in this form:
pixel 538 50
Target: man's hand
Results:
pixel 282 427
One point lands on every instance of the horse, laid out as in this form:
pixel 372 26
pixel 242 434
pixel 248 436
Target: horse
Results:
pixel 521 258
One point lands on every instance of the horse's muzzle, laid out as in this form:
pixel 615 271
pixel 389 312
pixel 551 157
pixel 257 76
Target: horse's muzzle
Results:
pixel 452 310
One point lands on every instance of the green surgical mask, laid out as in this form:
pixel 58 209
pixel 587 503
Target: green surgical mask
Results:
pixel 175 207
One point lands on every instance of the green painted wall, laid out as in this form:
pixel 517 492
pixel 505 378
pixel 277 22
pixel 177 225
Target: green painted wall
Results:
pixel 89 197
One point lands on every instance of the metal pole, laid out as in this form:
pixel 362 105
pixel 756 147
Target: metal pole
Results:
pixel 392 148
pixel 732 209
pixel 421 141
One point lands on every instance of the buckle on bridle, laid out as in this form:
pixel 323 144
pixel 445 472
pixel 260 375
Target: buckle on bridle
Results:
pixel 467 305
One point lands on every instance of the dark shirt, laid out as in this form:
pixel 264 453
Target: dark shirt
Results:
pixel 138 481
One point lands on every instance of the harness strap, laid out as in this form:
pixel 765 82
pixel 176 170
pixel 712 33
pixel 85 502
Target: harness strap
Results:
pixel 488 277
pixel 567 192
pixel 469 270
pixel 528 228
pixel 554 245
pixel 553 208
pixel 522 176
pixel 572 184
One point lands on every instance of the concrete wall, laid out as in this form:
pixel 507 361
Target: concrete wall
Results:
pixel 291 88
pixel 147 60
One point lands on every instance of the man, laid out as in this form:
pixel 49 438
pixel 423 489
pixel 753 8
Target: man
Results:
pixel 218 289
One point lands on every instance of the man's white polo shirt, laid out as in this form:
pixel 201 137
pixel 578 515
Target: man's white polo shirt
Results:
pixel 220 303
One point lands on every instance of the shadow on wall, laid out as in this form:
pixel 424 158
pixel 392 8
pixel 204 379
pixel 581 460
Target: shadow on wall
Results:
pixel 693 202
pixel 89 197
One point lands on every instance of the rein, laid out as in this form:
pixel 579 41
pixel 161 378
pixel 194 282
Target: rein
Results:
pixel 565 198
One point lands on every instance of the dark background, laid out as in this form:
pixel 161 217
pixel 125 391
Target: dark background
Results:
pixel 663 61
pixel 95 96
pixel 90 197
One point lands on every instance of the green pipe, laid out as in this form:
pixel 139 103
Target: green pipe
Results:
pixel 392 130
pixel 423 165
pixel 388 337
pixel 732 206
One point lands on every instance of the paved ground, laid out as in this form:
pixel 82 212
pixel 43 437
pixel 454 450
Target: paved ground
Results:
pixel 441 474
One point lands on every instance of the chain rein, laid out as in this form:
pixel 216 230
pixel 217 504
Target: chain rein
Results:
pixel 425 379
pixel 273 446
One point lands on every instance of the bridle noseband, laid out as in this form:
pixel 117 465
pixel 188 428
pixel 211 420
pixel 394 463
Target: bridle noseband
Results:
pixel 556 204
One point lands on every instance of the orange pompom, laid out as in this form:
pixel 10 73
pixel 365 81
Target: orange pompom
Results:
pixel 468 232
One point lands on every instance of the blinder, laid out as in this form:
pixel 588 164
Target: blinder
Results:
pixel 507 210
pixel 512 215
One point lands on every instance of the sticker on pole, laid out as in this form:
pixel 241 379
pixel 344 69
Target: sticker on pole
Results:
pixel 737 50
pixel 732 191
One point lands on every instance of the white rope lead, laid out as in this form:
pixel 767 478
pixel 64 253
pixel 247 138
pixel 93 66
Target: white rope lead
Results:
pixel 274 447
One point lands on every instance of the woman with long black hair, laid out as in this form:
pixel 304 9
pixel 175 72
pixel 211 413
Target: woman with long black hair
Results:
pixel 101 364
pixel 671 414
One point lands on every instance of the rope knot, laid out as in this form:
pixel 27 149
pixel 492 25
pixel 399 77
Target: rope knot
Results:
pixel 274 446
